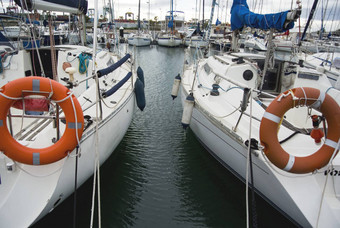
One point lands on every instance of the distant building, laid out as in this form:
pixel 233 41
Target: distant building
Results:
pixel 178 21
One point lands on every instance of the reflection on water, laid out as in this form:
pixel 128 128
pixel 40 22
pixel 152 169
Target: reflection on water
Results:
pixel 160 176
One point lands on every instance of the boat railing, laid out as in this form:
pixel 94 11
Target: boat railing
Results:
pixel 113 67
pixel 36 116
pixel 105 71
pixel 117 86
pixel 44 115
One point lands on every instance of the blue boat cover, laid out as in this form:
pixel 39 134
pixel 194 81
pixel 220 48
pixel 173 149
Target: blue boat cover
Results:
pixel 241 16
pixel 33 22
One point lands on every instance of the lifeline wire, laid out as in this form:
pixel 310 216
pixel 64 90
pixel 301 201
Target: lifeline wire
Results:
pixel 324 187
pixel 43 176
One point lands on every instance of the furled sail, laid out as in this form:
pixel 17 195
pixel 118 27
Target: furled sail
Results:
pixel 68 6
pixel 241 16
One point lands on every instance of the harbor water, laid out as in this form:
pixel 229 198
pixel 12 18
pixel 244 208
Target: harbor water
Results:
pixel 160 175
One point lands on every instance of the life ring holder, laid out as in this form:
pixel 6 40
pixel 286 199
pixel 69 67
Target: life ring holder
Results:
pixel 302 96
pixel 52 90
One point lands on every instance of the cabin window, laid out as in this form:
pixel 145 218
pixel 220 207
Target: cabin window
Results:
pixel 272 78
pixel 110 62
pixel 46 60
pixel 207 68
pixel 308 76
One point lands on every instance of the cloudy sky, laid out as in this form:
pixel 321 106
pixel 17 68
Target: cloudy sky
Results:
pixel 191 7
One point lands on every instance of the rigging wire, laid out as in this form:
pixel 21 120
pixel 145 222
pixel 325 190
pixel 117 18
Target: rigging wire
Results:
pixel 329 166
pixel 24 3
pixel 335 10
pixel 2 5
pixel 316 12
pixel 261 9
pixel 324 15
pixel 308 10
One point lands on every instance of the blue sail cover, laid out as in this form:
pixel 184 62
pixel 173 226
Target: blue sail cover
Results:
pixel 67 6
pixel 218 22
pixel 241 16
pixel 170 24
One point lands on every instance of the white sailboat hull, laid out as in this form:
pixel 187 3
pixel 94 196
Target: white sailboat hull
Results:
pixel 213 120
pixel 169 41
pixel 29 192
pixel 47 191
pixel 196 43
pixel 139 41
pixel 268 184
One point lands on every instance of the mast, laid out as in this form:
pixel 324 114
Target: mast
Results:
pixel 203 17
pixel 82 29
pixel 196 10
pixel 111 11
pixel 138 16
pixel 95 25
pixel 199 14
pixel 322 15
pixel 149 21
pixel 172 16
pixel 226 12
pixel 311 14
pixel 211 18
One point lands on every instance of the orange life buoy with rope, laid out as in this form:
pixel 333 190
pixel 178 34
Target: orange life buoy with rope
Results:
pixel 303 96
pixel 23 87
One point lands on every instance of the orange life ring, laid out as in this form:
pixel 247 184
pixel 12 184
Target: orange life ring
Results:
pixel 43 87
pixel 306 96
